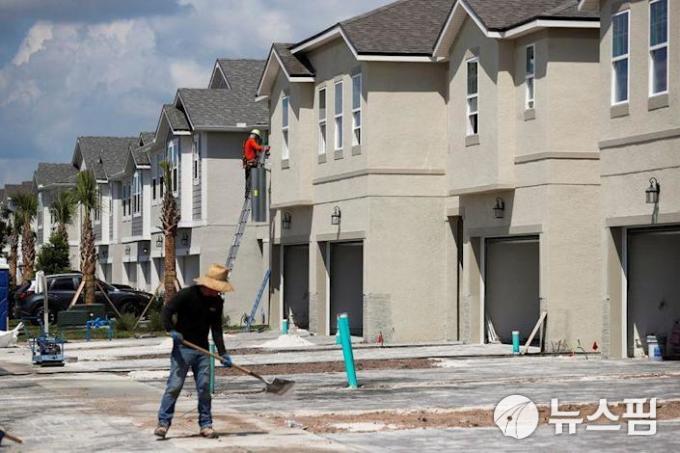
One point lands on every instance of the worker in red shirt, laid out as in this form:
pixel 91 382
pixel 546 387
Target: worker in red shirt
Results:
pixel 251 150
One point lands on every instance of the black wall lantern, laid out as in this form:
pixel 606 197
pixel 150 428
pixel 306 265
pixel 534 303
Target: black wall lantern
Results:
pixel 499 209
pixel 185 239
pixel 286 220
pixel 652 192
pixel 336 216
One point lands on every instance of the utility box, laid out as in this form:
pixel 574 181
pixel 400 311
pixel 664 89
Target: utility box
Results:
pixel 4 297
pixel 258 176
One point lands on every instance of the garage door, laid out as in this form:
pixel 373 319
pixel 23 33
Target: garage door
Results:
pixel 512 285
pixel 296 284
pixel 189 269
pixel 653 285
pixel 347 285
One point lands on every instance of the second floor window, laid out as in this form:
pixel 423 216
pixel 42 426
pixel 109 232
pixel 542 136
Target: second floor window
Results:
pixel 472 96
pixel 338 116
pixel 137 194
pixel 620 45
pixel 658 47
pixel 285 107
pixel 530 76
pixel 356 110
pixel 173 162
pixel 155 173
pixel 98 208
pixel 127 211
pixel 322 121
pixel 196 158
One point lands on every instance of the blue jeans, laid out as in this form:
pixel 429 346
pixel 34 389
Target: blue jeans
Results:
pixel 181 359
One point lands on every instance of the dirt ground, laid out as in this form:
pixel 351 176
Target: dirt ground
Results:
pixel 399 420
pixel 332 367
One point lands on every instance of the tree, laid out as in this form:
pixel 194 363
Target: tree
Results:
pixel 63 208
pixel 170 218
pixel 27 207
pixel 85 194
pixel 54 256
pixel 5 228
pixel 14 229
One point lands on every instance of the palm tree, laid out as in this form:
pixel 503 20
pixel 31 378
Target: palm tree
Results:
pixel 85 194
pixel 170 218
pixel 14 228
pixel 63 209
pixel 27 208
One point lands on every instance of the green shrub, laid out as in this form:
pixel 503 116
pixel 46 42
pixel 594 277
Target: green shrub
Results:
pixel 54 256
pixel 155 323
pixel 126 322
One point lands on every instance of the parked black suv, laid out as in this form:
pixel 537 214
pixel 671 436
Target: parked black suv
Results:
pixel 62 288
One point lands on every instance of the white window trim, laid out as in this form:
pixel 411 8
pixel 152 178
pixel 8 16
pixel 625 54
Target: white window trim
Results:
pixel 338 141
pixel 657 47
pixel 173 158
pixel 356 127
pixel 285 128
pixel 614 60
pixel 126 200
pixel 136 195
pixel 468 129
pixel 529 102
pixel 196 159
pixel 323 137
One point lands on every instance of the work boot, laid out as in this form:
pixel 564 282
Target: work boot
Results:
pixel 161 431
pixel 209 433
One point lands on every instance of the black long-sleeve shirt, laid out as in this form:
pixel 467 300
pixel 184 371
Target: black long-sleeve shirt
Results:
pixel 196 315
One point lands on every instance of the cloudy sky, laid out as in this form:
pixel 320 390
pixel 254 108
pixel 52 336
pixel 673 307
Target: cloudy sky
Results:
pixel 104 67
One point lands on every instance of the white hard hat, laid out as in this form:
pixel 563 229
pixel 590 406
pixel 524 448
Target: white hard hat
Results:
pixel 256 132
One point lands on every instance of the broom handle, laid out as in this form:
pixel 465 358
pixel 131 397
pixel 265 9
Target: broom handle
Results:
pixel 15 439
pixel 216 357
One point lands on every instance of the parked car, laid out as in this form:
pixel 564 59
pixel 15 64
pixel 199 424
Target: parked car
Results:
pixel 61 290
pixel 20 293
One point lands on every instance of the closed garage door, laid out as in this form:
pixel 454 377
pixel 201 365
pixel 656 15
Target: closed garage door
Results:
pixel 347 285
pixel 512 286
pixel 296 284
pixel 189 269
pixel 653 285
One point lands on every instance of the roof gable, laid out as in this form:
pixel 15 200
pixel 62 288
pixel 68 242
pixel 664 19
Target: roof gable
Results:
pixel 104 156
pixel 48 174
pixel 297 69
pixel 233 109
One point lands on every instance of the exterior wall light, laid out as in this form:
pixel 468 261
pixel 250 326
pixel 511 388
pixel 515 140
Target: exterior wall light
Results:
pixel 185 239
pixel 127 250
pixel 336 216
pixel 159 241
pixel 652 192
pixel 286 220
pixel 499 209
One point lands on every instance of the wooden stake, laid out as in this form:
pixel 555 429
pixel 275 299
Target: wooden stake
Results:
pixel 96 282
pixel 533 332
pixel 77 294
pixel 155 295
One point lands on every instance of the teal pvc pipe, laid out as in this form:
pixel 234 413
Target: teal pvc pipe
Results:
pixel 212 369
pixel 346 341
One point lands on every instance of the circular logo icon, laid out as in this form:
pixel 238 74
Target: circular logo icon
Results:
pixel 516 416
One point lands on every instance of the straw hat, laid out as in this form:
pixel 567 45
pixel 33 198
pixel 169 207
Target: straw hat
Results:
pixel 216 279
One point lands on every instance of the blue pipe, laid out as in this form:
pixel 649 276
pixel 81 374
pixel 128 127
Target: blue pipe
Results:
pixel 346 340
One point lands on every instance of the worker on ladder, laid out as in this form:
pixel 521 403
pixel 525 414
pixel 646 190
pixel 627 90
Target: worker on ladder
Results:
pixel 251 151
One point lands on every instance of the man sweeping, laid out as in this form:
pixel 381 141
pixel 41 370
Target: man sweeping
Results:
pixel 198 310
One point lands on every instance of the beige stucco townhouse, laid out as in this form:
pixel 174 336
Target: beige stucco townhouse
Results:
pixel 359 156
pixel 49 180
pixel 201 135
pixel 465 106
pixel 639 121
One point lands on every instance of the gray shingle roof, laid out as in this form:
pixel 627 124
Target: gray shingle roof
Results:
pixel 105 156
pixel 140 155
pixel 176 117
pixel 296 66
pixel 405 27
pixel 208 108
pixel 242 74
pixel 13 189
pixel 48 174
pixel 146 137
pixel 501 15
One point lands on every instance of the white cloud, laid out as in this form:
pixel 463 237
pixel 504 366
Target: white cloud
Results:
pixel 188 74
pixel 34 42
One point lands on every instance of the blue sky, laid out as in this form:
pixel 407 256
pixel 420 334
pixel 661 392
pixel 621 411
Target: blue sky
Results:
pixel 104 67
